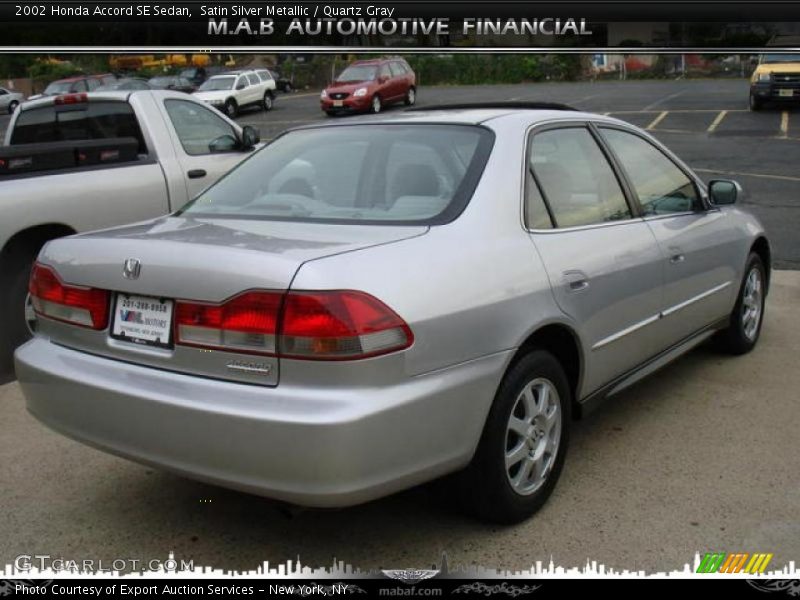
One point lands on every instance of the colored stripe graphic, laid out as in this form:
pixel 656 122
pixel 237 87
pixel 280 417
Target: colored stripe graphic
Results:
pixel 723 562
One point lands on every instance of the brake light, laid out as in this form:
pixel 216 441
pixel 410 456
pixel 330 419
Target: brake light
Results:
pixel 340 325
pixel 337 325
pixel 87 307
pixel 246 323
pixel 72 98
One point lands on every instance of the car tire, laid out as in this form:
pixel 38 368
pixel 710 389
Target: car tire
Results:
pixel 12 106
pixel 411 97
pixel 14 330
pixel 527 430
pixel 755 103
pixel 375 105
pixel 231 108
pixel 744 327
pixel 268 102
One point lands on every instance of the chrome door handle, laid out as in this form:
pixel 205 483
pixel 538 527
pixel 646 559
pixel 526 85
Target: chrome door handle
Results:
pixel 677 258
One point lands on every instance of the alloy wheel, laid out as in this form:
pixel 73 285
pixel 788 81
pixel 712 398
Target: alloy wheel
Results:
pixel 533 435
pixel 752 296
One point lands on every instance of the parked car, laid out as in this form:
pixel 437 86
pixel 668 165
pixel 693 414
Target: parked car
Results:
pixel 75 85
pixel 314 328
pixel 282 82
pixel 84 161
pixel 10 100
pixel 125 84
pixel 775 79
pixel 197 75
pixel 235 90
pixel 172 82
pixel 369 85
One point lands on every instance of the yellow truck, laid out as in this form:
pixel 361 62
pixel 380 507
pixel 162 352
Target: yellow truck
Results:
pixel 776 78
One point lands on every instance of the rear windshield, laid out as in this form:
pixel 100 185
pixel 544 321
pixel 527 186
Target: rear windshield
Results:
pixel 84 121
pixel 387 173
pixel 59 87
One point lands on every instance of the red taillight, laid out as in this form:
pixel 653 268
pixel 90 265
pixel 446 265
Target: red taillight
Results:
pixel 87 307
pixel 311 325
pixel 246 323
pixel 340 325
pixel 72 98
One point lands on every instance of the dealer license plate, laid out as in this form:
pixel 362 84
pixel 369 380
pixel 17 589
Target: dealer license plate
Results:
pixel 142 320
pixel 785 93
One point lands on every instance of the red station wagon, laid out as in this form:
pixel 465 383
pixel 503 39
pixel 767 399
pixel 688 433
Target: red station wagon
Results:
pixel 369 85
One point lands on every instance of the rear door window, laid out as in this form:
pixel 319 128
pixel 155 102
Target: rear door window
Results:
pixel 83 121
pixel 575 180
pixel 253 79
pixel 397 69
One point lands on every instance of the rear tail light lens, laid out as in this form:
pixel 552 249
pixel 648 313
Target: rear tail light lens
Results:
pixel 246 323
pixel 336 325
pixel 340 325
pixel 71 99
pixel 87 307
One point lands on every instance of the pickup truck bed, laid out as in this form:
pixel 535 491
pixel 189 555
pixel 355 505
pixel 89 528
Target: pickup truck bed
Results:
pixel 80 162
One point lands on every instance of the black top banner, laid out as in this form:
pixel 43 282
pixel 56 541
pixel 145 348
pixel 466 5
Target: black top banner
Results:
pixel 219 25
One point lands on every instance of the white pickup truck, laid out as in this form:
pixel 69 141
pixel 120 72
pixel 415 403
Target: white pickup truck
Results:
pixel 79 162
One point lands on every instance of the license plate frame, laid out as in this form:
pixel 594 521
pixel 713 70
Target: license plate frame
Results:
pixel 136 320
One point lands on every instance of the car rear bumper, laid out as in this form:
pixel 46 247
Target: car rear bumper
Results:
pixel 314 447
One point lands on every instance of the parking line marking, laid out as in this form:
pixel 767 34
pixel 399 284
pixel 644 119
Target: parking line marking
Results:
pixel 664 99
pixel 785 124
pixel 717 121
pixel 657 120
pixel 759 175
pixel 680 110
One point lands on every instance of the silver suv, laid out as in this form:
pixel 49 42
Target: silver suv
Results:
pixel 362 307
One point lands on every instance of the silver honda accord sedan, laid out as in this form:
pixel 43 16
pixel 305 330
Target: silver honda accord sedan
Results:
pixel 367 305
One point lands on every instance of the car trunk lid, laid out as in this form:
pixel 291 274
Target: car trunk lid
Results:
pixel 202 260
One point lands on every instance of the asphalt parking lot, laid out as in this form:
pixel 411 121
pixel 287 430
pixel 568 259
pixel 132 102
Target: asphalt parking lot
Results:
pixel 700 457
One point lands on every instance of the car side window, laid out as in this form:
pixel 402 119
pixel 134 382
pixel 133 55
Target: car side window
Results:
pixel 662 187
pixel 253 79
pixel 397 69
pixel 384 71
pixel 199 129
pixel 241 83
pixel 3 92
pixel 575 180
pixel 79 86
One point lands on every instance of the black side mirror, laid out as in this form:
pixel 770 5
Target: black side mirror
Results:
pixel 250 137
pixel 724 191
pixel 224 143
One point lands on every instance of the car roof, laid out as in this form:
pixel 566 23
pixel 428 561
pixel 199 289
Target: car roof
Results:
pixel 472 116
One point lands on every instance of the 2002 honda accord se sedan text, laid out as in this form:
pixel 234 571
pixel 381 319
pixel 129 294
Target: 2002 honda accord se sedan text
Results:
pixel 361 307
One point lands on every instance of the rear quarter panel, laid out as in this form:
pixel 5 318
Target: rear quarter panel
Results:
pixel 467 289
